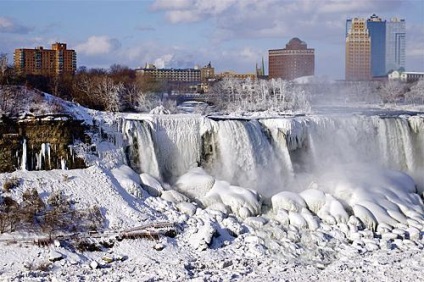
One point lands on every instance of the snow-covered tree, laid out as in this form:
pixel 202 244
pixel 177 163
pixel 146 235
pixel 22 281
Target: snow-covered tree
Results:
pixel 416 93
pixel 260 95
pixel 391 91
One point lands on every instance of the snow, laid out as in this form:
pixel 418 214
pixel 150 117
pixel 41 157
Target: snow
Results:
pixel 319 198
pixel 192 255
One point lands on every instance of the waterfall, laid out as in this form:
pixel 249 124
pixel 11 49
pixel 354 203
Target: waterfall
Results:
pixel 275 154
pixel 245 155
pixel 388 142
pixel 141 151
pixel 178 144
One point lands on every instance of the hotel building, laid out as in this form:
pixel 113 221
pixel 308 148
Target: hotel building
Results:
pixel 294 61
pixel 358 51
pixel 182 80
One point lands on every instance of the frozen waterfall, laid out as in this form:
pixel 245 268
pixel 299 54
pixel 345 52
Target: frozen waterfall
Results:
pixel 275 154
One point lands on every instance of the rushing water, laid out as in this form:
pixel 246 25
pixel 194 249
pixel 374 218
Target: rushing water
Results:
pixel 274 154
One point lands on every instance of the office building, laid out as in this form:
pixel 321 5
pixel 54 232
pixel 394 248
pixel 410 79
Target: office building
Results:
pixel 296 60
pixel 387 46
pixel 377 30
pixel 395 45
pixel 358 51
pixel 40 61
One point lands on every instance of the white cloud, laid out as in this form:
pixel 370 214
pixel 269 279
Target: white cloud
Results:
pixel 186 11
pixel 164 61
pixel 272 18
pixel 98 45
pixel 8 25
pixel 171 5
pixel 180 16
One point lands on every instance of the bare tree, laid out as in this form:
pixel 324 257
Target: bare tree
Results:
pixel 3 63
pixel 9 99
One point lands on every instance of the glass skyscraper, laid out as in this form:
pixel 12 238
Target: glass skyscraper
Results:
pixel 377 31
pixel 387 50
pixel 395 44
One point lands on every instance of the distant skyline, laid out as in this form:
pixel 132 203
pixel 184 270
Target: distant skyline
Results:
pixel 232 34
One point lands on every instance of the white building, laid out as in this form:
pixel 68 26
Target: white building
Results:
pixel 406 76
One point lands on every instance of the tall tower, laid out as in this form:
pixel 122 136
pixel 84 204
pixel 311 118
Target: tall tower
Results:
pixel 387 51
pixel 358 51
pixel 377 30
pixel 395 44
pixel 294 61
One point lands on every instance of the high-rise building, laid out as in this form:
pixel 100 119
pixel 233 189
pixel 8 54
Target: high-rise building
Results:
pixel 395 45
pixel 55 61
pixel 294 61
pixel 387 45
pixel 358 51
pixel 377 30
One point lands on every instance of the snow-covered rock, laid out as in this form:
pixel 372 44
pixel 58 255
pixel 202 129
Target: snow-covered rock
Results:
pixel 288 200
pixel 243 202
pixel 55 256
pixel 174 197
pixel 196 183
pixel 151 185
pixel 187 208
pixel 128 179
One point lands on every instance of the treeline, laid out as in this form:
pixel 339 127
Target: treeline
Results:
pixel 118 88
pixel 291 96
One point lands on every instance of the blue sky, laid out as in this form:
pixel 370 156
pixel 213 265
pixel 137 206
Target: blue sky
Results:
pixel 232 34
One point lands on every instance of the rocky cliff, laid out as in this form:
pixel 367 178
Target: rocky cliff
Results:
pixel 40 143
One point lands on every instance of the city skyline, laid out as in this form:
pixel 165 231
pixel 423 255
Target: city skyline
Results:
pixel 233 35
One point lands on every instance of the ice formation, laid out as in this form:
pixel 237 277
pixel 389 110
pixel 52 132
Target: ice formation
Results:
pixel 330 167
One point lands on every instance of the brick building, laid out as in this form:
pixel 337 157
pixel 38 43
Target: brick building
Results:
pixel 294 61
pixel 55 61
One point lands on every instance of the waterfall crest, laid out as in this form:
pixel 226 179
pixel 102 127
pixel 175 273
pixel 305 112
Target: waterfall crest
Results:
pixel 273 154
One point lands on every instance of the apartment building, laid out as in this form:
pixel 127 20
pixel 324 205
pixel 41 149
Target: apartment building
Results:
pixel 55 61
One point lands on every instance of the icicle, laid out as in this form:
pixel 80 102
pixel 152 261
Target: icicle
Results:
pixel 63 164
pixel 24 155
pixel 71 152
pixel 48 155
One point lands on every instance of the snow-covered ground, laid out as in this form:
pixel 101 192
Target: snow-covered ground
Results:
pixel 260 248
pixel 357 224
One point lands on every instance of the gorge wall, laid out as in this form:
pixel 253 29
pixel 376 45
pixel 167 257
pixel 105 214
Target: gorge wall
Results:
pixel 40 143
